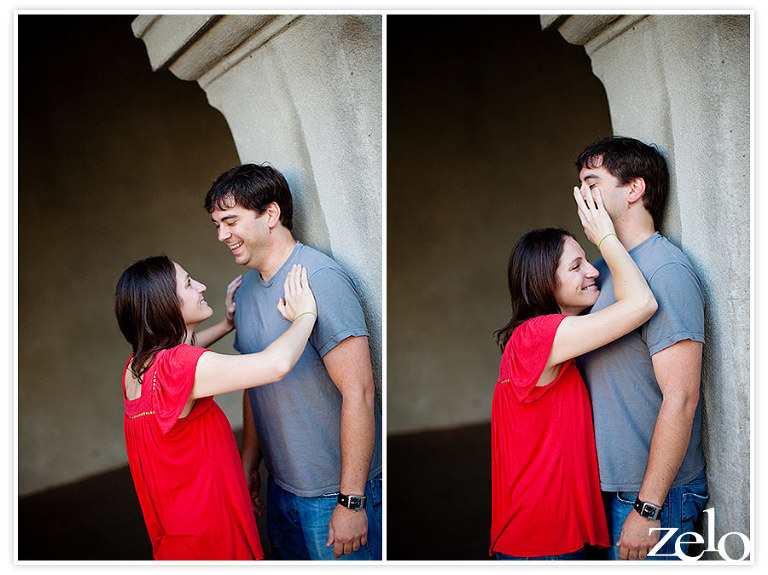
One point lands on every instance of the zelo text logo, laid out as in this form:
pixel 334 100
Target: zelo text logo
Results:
pixel 697 538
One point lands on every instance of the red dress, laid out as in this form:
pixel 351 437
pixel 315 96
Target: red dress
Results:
pixel 187 472
pixel 546 496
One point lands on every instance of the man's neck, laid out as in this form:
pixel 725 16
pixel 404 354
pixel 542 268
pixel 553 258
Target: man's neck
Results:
pixel 280 250
pixel 634 226
pixel 633 236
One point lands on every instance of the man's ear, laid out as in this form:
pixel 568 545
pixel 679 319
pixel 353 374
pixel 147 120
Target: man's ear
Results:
pixel 636 190
pixel 273 214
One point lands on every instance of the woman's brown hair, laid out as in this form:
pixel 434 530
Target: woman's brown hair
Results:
pixel 532 278
pixel 148 311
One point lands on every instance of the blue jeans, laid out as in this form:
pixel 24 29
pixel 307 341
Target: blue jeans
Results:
pixel 681 509
pixel 579 555
pixel 298 526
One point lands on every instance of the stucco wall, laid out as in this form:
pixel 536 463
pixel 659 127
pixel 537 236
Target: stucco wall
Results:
pixel 114 161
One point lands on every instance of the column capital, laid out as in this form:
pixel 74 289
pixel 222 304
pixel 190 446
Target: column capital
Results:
pixel 589 30
pixel 202 46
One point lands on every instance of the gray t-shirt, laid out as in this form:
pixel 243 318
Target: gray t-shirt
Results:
pixel 626 397
pixel 298 419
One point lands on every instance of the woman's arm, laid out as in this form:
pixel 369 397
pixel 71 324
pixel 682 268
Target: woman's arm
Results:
pixel 218 373
pixel 634 304
pixel 214 333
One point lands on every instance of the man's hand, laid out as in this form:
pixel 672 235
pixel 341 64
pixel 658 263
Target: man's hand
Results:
pixel 636 538
pixel 347 531
pixel 250 455
pixel 253 481
pixel 229 300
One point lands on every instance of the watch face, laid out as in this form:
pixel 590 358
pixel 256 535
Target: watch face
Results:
pixel 647 510
pixel 353 502
pixel 650 511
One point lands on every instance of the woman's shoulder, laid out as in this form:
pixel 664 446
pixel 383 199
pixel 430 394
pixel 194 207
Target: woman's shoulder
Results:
pixel 176 357
pixel 539 327
pixel 532 336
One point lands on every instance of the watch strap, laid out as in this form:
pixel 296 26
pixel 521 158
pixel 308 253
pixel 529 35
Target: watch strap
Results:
pixel 648 510
pixel 353 502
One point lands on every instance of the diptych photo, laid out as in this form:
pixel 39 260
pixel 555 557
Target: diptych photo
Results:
pixel 399 287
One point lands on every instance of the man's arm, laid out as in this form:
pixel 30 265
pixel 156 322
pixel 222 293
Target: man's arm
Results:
pixel 349 365
pixel 678 371
pixel 250 455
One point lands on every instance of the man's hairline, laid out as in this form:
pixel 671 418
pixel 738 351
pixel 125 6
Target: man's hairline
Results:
pixel 216 206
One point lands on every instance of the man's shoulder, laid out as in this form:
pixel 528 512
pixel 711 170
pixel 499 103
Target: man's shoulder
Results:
pixel 313 258
pixel 659 253
pixel 321 266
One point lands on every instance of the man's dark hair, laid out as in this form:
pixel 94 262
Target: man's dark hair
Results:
pixel 253 187
pixel 626 159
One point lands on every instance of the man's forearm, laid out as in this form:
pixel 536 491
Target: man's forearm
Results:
pixel 250 451
pixel 212 334
pixel 678 372
pixel 358 434
pixel 669 444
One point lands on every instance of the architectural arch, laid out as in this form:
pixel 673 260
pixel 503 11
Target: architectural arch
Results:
pixel 303 93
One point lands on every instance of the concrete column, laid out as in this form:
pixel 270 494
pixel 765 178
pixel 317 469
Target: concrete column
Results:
pixel 683 83
pixel 304 94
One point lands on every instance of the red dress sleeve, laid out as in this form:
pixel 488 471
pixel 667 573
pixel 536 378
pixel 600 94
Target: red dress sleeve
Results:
pixel 525 356
pixel 172 382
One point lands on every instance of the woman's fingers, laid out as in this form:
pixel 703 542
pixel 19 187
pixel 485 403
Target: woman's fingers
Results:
pixel 598 198
pixel 580 206
pixel 290 281
pixel 296 283
pixel 589 197
pixel 579 197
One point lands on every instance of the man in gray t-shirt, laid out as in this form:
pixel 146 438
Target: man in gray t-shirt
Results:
pixel 319 429
pixel 645 387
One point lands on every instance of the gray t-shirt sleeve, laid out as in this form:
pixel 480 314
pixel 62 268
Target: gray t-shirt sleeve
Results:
pixel 339 312
pixel 681 308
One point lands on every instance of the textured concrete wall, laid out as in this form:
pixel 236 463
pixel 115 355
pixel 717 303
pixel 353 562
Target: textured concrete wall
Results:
pixel 304 94
pixel 683 82
pixel 114 161
pixel 485 115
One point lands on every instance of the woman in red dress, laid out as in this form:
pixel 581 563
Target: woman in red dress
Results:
pixel 182 453
pixel 546 500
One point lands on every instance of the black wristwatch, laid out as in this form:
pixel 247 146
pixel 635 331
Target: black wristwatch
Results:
pixel 648 510
pixel 353 502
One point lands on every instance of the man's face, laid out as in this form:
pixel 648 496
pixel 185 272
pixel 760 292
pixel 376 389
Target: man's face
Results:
pixel 245 232
pixel 613 192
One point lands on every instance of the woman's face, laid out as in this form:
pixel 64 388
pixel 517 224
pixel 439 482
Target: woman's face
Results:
pixel 194 308
pixel 576 288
